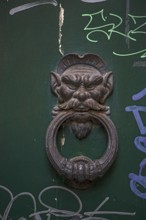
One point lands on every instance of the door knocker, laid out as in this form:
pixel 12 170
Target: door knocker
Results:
pixel 82 85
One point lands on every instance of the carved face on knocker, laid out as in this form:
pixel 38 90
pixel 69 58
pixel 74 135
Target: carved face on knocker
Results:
pixel 81 87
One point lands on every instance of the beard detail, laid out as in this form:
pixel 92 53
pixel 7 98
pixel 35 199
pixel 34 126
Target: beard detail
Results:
pixel 81 125
pixel 81 130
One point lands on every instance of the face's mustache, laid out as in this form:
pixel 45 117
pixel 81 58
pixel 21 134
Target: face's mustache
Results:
pixel 75 104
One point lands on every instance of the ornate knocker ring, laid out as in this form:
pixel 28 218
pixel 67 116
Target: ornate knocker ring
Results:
pixel 82 84
pixel 81 170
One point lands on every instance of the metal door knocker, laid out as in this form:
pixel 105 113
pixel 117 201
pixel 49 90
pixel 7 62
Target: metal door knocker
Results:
pixel 82 85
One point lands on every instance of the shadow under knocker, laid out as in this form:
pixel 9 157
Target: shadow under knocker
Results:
pixel 82 85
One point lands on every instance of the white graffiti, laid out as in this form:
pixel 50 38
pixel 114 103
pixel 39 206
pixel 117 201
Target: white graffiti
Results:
pixel 49 210
pixel 31 5
pixel 93 1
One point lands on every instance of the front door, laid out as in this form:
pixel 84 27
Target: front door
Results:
pixel 91 51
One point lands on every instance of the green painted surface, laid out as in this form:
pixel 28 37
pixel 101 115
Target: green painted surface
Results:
pixel 29 51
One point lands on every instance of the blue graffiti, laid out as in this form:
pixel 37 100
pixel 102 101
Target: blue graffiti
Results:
pixel 140 143
pixel 139 95
pixel 138 182
pixel 136 112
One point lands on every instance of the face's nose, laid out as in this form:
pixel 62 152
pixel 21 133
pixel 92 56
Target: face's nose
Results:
pixel 81 94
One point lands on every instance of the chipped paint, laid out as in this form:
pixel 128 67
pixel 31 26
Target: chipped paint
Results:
pixel 61 22
pixel 62 141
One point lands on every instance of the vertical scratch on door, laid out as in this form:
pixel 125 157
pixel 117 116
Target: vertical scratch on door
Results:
pixel 62 140
pixel 61 22
pixel 127 26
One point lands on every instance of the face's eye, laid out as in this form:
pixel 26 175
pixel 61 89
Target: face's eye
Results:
pixel 91 87
pixel 71 86
pixel 70 82
pixel 93 82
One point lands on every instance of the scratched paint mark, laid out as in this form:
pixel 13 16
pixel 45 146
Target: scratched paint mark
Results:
pixel 62 141
pixel 93 1
pixel 61 22
pixel 139 64
pixel 127 25
pixel 31 5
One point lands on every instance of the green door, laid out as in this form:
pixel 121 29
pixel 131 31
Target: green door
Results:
pixel 35 35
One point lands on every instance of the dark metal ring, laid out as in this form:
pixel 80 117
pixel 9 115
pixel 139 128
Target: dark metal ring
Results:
pixel 81 171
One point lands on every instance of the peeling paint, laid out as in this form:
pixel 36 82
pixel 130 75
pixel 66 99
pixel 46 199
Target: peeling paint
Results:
pixel 61 22
pixel 62 140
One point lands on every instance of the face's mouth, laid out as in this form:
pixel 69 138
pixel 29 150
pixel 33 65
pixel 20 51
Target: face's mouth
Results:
pixel 78 106
pixel 81 108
